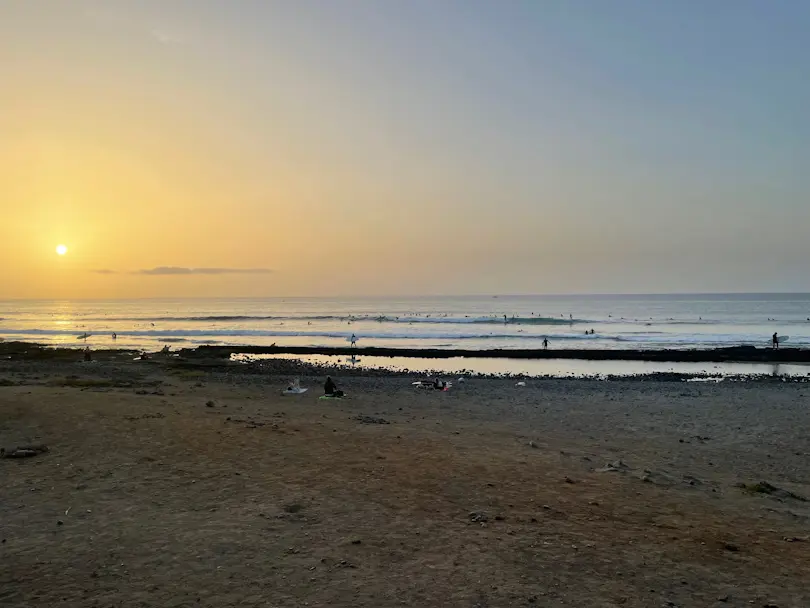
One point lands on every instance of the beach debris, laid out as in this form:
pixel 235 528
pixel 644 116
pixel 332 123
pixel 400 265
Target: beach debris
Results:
pixel 520 384
pixel 617 466
pixel 763 487
pixel 532 444
pixel 478 517
pixel 371 420
pixel 796 539
pixel 731 547
pixel 692 481
pixel 23 451
pixel 210 403
pixel 462 379
pixel 145 416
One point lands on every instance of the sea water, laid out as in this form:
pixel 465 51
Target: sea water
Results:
pixel 479 322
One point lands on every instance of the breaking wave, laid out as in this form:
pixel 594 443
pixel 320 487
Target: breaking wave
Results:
pixel 406 319
pixel 167 334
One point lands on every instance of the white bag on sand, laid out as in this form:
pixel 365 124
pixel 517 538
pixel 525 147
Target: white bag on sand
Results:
pixel 294 388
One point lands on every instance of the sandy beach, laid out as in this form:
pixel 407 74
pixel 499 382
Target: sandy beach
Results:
pixel 199 484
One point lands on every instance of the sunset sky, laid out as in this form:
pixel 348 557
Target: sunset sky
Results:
pixel 252 148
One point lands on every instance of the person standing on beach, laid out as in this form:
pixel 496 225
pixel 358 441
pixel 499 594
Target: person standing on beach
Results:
pixel 775 340
pixel 353 341
pixel 545 343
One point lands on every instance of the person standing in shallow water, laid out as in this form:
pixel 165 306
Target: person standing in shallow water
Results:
pixel 775 340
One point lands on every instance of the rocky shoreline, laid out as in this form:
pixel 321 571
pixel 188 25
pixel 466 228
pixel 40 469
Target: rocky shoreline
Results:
pixel 737 354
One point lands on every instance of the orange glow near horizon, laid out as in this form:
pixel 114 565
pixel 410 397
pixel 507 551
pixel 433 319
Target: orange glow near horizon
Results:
pixel 283 150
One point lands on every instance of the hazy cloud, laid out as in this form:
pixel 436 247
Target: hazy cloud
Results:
pixel 105 271
pixel 177 270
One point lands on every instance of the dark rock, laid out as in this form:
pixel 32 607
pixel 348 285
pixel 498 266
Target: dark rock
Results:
pixel 763 487
pixel 371 420
pixel 23 451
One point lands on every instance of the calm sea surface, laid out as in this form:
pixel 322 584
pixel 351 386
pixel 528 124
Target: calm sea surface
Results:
pixel 643 322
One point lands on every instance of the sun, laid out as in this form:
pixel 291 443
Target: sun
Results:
pixel 61 249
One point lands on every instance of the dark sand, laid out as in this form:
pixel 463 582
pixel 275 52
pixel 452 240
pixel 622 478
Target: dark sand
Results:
pixel 490 495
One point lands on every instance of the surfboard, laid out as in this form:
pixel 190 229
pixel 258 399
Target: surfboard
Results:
pixel 294 391
pixel 780 338
pixel 83 336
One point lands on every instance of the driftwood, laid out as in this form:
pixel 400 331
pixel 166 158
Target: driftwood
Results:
pixel 23 451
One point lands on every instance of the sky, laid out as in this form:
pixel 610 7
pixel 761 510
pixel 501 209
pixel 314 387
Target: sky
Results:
pixel 362 147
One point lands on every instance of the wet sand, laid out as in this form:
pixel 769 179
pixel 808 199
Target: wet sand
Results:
pixel 196 483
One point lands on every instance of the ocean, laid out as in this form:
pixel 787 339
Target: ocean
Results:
pixel 472 322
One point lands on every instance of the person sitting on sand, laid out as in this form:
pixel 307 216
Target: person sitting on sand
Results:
pixel 331 389
pixel 438 384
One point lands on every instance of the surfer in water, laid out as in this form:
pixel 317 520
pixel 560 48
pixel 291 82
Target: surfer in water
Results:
pixel 775 340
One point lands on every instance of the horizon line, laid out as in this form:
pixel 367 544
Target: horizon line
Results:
pixel 425 296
